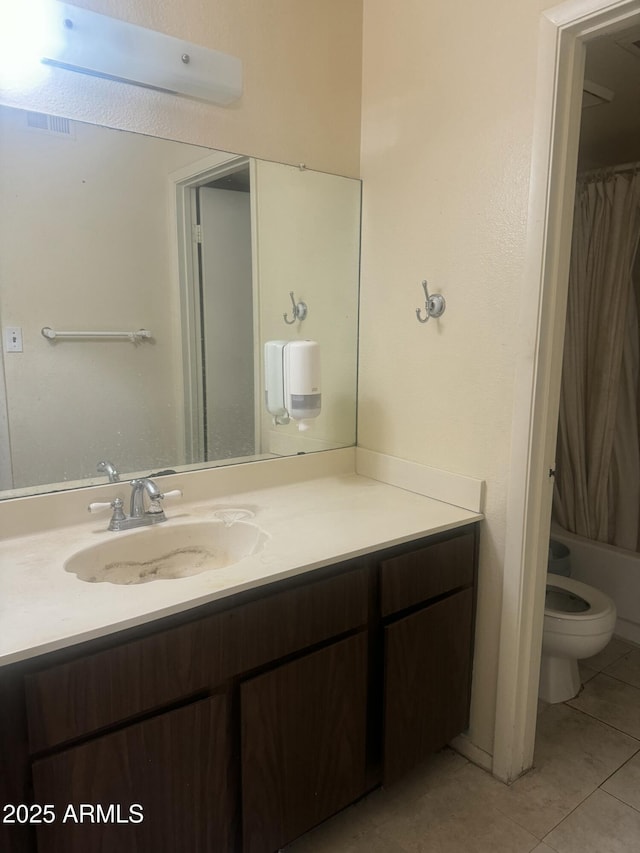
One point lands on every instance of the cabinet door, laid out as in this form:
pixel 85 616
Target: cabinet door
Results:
pixel 303 743
pixel 427 681
pixel 175 766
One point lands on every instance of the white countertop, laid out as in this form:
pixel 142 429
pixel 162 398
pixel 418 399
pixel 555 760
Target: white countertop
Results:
pixel 309 524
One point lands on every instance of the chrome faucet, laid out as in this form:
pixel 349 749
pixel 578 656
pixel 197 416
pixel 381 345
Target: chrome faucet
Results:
pixel 138 489
pixel 109 469
pixel 138 515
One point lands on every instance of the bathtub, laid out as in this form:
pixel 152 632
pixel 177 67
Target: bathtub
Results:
pixel 612 570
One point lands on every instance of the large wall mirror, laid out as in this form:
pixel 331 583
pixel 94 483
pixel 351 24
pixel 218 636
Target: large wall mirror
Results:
pixel 107 231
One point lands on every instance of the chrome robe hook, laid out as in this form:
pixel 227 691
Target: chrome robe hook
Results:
pixel 299 310
pixel 434 305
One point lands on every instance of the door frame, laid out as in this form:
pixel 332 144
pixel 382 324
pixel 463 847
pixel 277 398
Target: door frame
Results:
pixel 184 183
pixel 564 33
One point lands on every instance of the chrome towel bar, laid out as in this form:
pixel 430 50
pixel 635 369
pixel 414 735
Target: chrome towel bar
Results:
pixel 134 337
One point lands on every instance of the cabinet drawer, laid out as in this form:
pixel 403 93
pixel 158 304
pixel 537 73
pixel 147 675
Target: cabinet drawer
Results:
pixel 278 625
pixel 73 699
pixel 427 572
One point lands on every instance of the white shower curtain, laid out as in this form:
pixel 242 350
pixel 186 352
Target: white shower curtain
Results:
pixel 598 454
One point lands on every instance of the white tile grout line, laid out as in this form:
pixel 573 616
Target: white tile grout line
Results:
pixel 608 725
pixel 613 772
pixel 584 799
pixel 624 763
pixel 620 679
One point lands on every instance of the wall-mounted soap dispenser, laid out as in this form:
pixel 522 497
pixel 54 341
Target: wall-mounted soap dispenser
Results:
pixel 292 381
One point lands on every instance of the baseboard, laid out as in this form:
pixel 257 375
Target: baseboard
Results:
pixel 471 751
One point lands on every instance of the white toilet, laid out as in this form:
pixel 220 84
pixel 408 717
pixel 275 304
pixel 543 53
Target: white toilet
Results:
pixel 578 623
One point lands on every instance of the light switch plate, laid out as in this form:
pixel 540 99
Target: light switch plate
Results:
pixel 12 339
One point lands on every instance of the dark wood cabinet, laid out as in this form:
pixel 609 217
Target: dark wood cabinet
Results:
pixel 91 691
pixel 412 577
pixel 241 724
pixel 427 606
pixel 164 784
pixel 303 743
pixel 427 681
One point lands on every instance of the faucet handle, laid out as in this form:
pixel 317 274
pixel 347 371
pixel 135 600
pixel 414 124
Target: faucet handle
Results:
pixel 98 506
pixel 174 493
pixel 116 505
pixel 154 505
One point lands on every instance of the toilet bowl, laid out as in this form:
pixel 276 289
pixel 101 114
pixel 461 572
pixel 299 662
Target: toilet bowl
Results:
pixel 578 623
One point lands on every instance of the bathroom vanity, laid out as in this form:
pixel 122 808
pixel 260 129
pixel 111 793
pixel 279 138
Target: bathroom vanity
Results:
pixel 242 722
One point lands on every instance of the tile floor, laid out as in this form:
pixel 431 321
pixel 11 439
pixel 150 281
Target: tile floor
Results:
pixel 582 796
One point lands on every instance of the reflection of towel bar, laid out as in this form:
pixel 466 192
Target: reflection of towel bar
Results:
pixel 141 334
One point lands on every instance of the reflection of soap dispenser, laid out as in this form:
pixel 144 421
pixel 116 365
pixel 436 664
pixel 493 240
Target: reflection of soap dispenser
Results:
pixel 292 381
pixel 274 381
pixel 302 381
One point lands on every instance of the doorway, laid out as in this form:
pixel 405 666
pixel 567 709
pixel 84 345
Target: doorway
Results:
pixel 225 291
pixel 565 33
pixel 597 490
pixel 218 309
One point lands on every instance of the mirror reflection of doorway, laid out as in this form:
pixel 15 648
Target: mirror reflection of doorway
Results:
pixel 218 309
pixel 226 316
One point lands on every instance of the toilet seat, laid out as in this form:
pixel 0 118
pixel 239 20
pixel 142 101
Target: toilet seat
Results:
pixel 601 609
pixel 564 601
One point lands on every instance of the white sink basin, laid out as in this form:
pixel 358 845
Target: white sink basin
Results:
pixel 166 551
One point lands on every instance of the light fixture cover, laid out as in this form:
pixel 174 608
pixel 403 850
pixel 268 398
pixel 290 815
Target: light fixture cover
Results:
pixel 106 47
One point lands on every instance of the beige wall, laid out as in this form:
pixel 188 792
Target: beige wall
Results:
pixel 301 63
pixel 447 121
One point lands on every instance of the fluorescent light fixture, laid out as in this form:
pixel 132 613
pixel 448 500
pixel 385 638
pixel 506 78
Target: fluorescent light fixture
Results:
pixel 26 28
pixel 106 47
